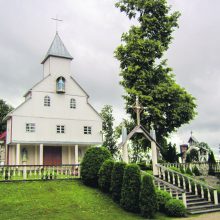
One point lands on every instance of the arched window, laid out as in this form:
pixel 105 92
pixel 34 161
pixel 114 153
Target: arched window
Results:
pixel 60 84
pixel 46 100
pixel 72 103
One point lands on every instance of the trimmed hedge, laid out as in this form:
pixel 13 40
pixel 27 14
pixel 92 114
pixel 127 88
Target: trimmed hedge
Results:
pixel 105 174
pixel 162 198
pixel 148 198
pixel 175 208
pixel 131 188
pixel 117 180
pixel 92 161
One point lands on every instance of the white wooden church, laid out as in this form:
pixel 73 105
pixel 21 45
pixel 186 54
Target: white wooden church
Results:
pixel 55 124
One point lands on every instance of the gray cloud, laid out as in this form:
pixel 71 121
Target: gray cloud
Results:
pixel 91 31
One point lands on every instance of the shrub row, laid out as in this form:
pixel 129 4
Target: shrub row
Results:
pixel 124 182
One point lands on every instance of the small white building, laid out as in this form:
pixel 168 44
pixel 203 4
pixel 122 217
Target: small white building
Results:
pixel 55 124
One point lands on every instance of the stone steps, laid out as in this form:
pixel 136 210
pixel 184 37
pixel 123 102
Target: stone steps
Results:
pixel 195 204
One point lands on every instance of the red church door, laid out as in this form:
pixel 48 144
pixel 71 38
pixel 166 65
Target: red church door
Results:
pixel 52 155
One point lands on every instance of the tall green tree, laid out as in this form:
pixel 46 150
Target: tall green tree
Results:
pixel 145 73
pixel 108 130
pixel 169 153
pixel 4 110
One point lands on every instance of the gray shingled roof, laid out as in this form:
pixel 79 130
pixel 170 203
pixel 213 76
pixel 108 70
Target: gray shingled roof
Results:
pixel 57 49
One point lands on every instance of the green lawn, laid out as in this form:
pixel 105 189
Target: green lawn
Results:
pixel 58 200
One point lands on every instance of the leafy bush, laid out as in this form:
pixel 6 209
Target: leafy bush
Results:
pixel 175 208
pixel 188 171
pixel 144 166
pixel 117 180
pixel 162 198
pixel 181 169
pixel 105 174
pixel 175 169
pixel 196 171
pixel 148 198
pixel 131 188
pixel 92 161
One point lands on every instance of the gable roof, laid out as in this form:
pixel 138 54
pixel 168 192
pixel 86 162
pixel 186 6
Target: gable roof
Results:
pixel 192 139
pixel 57 49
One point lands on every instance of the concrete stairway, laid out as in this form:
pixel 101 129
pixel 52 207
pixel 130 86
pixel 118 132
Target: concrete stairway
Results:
pixel 194 203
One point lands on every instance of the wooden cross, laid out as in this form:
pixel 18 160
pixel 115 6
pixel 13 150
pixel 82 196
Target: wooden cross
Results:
pixel 138 108
pixel 57 20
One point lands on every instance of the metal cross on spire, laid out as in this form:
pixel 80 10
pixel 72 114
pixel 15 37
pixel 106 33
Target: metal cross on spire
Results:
pixel 57 20
pixel 138 108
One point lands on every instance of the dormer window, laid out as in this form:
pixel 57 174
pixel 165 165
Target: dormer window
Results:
pixel 61 85
pixel 47 101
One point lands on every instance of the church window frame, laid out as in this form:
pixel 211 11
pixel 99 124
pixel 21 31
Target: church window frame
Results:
pixel 60 84
pixel 72 103
pixel 30 127
pixel 87 129
pixel 47 101
pixel 60 129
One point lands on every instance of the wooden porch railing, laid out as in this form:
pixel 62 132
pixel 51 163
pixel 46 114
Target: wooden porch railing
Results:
pixel 188 183
pixel 38 172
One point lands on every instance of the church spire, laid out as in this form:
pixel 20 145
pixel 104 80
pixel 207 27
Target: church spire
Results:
pixel 57 49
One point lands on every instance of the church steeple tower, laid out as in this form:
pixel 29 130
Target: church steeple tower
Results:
pixel 57 59
pixel 57 49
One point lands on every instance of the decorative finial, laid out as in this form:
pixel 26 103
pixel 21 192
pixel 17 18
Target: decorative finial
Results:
pixel 57 20
pixel 191 133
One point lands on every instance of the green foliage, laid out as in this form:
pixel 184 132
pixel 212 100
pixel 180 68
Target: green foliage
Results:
pixel 107 128
pixel 211 158
pixel 169 153
pixel 145 73
pixel 175 208
pixel 204 145
pixel 182 170
pixel 212 163
pixel 188 171
pixel 188 158
pixel 148 198
pixel 117 180
pixel 175 169
pixel 196 171
pixel 144 166
pixel 131 188
pixel 92 161
pixel 105 174
pixel 162 198
pixel 4 110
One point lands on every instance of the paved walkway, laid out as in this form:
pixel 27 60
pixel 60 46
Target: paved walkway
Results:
pixel 209 216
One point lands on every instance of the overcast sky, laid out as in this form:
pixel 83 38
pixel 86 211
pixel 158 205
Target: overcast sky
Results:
pixel 91 30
